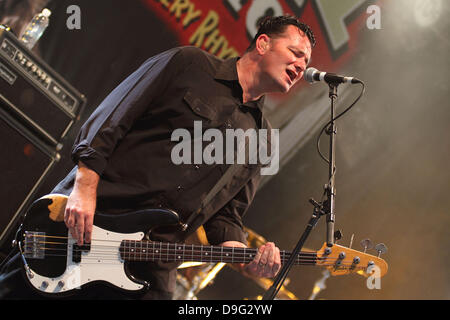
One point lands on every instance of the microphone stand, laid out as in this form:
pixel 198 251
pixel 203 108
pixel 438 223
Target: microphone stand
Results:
pixel 324 208
pixel 330 188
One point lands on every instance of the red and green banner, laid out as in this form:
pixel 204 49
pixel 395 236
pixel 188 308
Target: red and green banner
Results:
pixel 225 28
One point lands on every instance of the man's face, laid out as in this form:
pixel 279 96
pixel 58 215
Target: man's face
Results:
pixel 285 59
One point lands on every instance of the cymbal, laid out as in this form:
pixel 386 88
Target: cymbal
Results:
pixel 254 240
pixel 190 264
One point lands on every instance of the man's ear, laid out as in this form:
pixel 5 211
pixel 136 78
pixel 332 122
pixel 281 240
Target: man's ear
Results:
pixel 262 43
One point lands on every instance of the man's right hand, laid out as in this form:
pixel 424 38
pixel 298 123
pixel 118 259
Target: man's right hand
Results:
pixel 81 204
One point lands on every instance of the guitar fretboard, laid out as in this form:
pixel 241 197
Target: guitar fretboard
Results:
pixel 131 250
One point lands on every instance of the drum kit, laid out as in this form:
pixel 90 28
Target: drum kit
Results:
pixel 192 277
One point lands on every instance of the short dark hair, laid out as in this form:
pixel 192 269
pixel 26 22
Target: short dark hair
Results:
pixel 274 26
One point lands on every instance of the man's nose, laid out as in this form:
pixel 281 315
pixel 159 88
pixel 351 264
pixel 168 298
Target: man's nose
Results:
pixel 300 66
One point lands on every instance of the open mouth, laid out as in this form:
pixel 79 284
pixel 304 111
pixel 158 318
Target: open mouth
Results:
pixel 291 75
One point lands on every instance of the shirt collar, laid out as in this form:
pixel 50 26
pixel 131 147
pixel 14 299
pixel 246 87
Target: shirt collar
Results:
pixel 227 71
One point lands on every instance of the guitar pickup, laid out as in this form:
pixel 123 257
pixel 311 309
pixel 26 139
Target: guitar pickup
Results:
pixel 78 250
pixel 34 245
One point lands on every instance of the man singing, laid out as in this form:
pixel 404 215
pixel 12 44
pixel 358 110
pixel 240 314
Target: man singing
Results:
pixel 123 151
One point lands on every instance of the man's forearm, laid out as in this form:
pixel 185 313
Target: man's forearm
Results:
pixel 81 204
pixel 86 179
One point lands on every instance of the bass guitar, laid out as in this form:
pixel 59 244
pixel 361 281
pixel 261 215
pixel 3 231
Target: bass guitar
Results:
pixel 54 263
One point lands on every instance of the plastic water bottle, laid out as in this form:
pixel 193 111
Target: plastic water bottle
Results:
pixel 36 28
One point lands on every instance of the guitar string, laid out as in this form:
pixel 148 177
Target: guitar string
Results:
pixel 169 251
pixel 171 257
pixel 164 250
pixel 188 257
pixel 68 238
pixel 164 246
pixel 143 244
pixel 196 256
pixel 192 251
pixel 339 268
pixel 147 241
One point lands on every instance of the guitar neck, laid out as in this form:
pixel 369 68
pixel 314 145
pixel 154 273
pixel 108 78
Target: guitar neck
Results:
pixel 131 250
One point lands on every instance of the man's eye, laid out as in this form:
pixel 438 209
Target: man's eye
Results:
pixel 297 54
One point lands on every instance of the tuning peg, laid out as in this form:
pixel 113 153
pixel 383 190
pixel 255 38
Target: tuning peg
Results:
pixel 366 244
pixel 381 248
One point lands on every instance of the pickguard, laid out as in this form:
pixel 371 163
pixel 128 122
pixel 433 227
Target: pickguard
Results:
pixel 101 263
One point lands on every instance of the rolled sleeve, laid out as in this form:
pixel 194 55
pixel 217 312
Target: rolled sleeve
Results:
pixel 226 224
pixel 89 156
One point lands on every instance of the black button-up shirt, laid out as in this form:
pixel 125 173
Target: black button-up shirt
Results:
pixel 127 141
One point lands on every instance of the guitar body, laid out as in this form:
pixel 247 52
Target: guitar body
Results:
pixel 57 265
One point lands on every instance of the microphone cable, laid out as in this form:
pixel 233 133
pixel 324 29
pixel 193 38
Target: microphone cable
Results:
pixel 334 119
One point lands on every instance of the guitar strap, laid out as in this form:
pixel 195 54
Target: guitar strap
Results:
pixel 227 176
pixel 231 171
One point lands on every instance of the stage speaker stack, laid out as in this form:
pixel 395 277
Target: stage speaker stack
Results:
pixel 37 109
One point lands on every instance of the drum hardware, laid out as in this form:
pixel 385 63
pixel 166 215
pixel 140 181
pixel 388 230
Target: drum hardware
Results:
pixel 319 285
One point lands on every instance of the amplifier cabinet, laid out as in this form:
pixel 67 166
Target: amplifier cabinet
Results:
pixel 35 93
pixel 25 162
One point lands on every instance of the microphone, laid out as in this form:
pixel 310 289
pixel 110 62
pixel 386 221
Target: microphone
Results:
pixel 312 75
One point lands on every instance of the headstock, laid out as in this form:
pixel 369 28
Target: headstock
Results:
pixel 340 260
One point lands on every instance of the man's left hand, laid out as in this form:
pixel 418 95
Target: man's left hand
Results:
pixel 266 263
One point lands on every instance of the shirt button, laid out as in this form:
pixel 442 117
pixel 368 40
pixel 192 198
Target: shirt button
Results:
pixel 196 167
pixel 228 125
pixel 179 188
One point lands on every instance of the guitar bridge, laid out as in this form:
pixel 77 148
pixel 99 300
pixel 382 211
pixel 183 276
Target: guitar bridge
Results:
pixel 34 245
